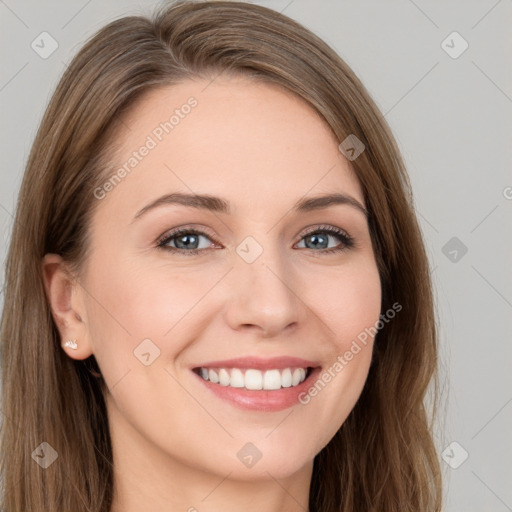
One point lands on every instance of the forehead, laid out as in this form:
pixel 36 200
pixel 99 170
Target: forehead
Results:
pixel 232 137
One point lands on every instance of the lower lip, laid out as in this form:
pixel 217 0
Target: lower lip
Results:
pixel 261 400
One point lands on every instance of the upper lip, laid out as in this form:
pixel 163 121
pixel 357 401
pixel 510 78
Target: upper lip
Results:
pixel 259 363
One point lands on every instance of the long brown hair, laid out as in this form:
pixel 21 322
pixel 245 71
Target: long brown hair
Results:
pixel 383 457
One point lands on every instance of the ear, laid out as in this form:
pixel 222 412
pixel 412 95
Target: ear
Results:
pixel 66 302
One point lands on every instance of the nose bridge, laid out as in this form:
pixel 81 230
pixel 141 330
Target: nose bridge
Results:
pixel 263 291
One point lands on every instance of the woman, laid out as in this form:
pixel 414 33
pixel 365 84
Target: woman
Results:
pixel 217 294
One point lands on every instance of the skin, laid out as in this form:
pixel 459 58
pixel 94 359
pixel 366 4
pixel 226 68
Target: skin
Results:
pixel 175 444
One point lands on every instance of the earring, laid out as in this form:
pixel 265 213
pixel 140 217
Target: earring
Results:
pixel 71 344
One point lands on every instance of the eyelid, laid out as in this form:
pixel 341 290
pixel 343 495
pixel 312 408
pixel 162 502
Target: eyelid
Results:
pixel 188 228
pixel 323 227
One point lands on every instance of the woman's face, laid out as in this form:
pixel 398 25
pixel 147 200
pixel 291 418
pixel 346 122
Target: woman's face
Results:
pixel 250 276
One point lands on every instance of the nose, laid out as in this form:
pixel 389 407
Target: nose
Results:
pixel 263 296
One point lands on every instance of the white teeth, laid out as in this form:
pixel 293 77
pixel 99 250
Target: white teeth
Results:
pixel 286 378
pixel 298 375
pixel 254 379
pixel 237 378
pixel 223 377
pixel 272 379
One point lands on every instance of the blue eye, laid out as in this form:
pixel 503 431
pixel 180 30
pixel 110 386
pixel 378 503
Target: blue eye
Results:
pixel 184 240
pixel 187 240
pixel 319 238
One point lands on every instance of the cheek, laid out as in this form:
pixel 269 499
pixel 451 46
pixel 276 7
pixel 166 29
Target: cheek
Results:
pixel 349 304
pixel 132 301
pixel 348 299
pixel 353 321
pixel 143 300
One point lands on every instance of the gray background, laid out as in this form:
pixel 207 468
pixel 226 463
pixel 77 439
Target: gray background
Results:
pixel 452 120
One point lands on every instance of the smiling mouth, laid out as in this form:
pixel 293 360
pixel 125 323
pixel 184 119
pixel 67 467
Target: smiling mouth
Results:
pixel 254 379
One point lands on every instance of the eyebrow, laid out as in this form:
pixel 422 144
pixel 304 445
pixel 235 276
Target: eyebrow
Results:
pixel 219 205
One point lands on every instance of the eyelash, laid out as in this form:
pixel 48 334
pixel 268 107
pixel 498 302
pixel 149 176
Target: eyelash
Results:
pixel 347 242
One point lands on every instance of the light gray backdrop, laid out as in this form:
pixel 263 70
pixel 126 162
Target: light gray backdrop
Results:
pixel 450 108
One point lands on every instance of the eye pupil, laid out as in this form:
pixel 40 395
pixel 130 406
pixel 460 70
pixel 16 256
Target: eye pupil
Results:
pixel 315 241
pixel 187 242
